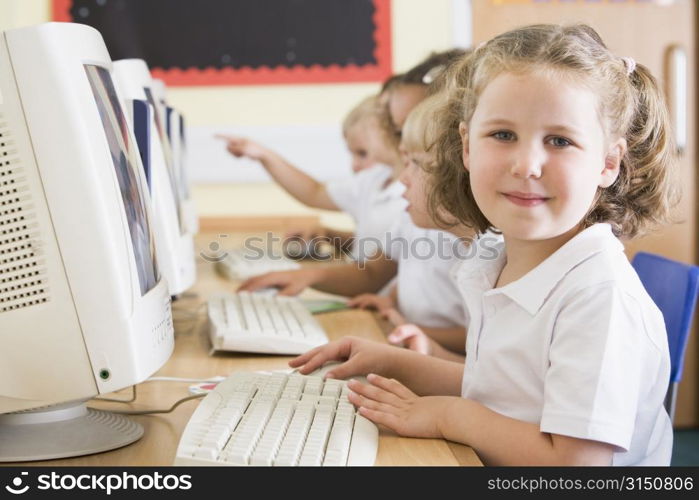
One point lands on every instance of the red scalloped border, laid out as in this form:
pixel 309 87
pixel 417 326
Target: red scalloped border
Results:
pixel 280 74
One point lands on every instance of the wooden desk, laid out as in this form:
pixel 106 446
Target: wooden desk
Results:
pixel 191 359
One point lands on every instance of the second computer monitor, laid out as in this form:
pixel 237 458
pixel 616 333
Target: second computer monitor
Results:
pixel 175 243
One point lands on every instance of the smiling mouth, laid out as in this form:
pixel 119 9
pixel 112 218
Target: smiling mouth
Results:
pixel 525 199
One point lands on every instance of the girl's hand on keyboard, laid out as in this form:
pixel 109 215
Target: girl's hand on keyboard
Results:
pixel 388 402
pixel 360 357
pixel 288 282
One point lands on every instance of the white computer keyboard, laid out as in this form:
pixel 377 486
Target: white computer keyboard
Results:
pixel 239 264
pixel 251 322
pixel 262 418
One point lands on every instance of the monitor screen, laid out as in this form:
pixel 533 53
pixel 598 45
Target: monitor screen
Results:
pixel 167 152
pixel 183 154
pixel 123 156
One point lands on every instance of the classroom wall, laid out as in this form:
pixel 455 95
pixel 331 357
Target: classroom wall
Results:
pixel 418 27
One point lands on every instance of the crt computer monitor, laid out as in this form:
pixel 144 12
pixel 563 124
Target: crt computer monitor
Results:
pixel 177 133
pixel 83 308
pixel 175 244
pixel 159 90
pixel 177 136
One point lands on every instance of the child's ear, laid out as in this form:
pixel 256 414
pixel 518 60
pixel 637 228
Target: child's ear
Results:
pixel 612 163
pixel 463 132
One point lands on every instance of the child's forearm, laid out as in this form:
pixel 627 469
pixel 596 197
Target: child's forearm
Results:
pixel 412 369
pixel 297 183
pixel 451 339
pixel 354 279
pixel 500 440
pixel 440 352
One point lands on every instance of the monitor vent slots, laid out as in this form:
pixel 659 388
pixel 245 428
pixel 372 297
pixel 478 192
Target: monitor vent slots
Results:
pixel 22 271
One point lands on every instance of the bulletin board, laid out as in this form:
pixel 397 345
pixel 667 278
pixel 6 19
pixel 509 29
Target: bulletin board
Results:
pixel 243 42
pixel 543 2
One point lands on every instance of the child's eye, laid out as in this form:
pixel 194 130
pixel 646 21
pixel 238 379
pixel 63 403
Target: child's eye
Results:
pixel 503 135
pixel 560 142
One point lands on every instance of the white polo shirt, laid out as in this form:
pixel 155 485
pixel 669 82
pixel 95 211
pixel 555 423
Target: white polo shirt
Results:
pixel 374 202
pixel 576 345
pixel 427 294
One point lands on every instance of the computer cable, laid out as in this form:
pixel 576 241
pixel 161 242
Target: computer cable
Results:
pixel 212 380
pixel 152 412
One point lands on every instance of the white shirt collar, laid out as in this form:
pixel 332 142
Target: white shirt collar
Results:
pixel 532 289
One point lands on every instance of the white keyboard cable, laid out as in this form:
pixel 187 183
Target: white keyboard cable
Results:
pixel 214 379
pixel 151 412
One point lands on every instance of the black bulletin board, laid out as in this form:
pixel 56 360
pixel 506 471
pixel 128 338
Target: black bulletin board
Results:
pixel 190 42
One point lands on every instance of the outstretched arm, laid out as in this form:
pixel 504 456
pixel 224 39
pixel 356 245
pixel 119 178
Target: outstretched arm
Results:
pixel 297 183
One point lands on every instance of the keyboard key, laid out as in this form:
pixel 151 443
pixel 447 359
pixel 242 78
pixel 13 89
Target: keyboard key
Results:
pixel 339 441
pixel 296 435
pixel 317 437
pixel 252 323
pixel 262 305
pixel 274 432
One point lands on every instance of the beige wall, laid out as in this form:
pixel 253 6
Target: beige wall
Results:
pixel 418 28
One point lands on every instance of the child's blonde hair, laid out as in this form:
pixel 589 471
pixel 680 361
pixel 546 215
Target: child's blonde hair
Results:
pixel 366 108
pixel 420 130
pixel 631 106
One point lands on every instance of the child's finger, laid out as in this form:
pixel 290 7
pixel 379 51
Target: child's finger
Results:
pixel 389 420
pixel 399 334
pixel 291 289
pixel 345 370
pixel 316 361
pixel 247 285
pixel 315 358
pixel 361 301
pixel 303 358
pixel 262 281
pixel 374 393
pixel 360 400
pixel 355 301
pixel 390 385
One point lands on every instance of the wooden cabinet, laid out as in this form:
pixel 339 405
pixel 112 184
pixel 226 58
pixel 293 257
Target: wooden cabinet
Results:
pixel 647 32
